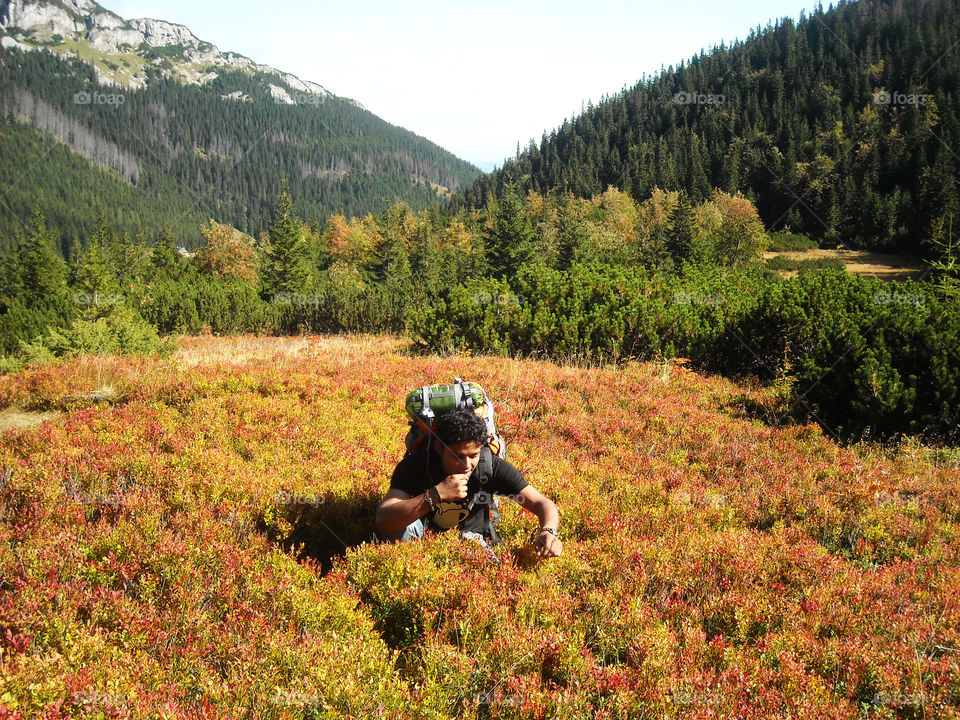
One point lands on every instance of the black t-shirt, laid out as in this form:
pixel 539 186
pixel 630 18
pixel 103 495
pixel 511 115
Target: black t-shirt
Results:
pixel 424 469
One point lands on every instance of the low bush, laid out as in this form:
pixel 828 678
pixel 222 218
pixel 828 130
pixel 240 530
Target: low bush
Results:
pixel 862 356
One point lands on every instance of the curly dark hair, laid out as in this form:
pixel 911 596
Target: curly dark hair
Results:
pixel 459 426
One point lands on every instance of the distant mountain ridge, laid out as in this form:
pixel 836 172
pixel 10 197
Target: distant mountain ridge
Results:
pixel 55 25
pixel 198 133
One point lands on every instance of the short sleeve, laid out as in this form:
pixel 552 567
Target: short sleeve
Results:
pixel 412 476
pixel 507 480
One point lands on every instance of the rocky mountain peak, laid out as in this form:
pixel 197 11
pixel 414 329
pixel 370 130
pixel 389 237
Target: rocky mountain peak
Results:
pixel 57 25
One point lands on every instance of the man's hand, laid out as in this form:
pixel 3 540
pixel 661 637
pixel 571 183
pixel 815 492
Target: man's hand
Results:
pixel 453 488
pixel 548 545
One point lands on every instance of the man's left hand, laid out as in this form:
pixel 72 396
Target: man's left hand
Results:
pixel 548 545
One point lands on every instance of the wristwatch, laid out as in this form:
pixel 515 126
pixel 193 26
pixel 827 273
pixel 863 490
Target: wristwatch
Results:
pixel 551 531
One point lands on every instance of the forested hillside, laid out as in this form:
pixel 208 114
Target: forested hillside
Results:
pixel 72 190
pixel 188 153
pixel 843 126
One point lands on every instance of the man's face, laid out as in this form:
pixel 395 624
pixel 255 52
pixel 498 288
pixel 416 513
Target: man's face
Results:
pixel 460 457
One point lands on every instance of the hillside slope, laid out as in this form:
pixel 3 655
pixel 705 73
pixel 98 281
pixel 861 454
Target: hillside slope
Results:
pixel 843 126
pixel 159 108
pixel 714 567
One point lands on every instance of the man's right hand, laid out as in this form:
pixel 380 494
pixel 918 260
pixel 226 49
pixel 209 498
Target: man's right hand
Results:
pixel 453 488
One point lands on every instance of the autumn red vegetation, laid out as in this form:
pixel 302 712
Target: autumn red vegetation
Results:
pixel 193 547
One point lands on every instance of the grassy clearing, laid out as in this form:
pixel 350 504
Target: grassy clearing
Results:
pixel 862 262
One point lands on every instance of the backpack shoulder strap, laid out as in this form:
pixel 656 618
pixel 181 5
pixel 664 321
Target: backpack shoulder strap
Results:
pixel 484 472
pixel 485 467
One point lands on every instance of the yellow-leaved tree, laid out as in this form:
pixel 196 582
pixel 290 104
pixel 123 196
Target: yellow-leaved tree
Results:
pixel 227 252
pixel 740 236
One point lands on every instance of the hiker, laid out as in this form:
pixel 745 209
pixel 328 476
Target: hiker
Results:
pixel 451 482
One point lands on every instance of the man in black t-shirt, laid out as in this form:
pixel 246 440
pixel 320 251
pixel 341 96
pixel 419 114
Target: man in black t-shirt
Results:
pixel 452 482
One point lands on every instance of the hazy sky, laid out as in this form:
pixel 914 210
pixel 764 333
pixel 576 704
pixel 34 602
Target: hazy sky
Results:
pixel 474 78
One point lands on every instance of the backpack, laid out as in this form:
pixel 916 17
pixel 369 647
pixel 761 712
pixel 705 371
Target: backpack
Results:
pixel 426 403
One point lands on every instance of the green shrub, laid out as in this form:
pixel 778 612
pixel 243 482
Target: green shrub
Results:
pixel 10 364
pixel 122 332
pixel 171 306
pixel 866 356
pixel 783 263
pixel 861 356
pixel 788 241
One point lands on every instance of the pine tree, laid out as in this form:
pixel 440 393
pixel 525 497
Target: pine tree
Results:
pixel 510 243
pixel 572 238
pixel 394 268
pixel 11 278
pixel 44 271
pixel 165 259
pixel 39 277
pixel 94 279
pixel 682 242
pixel 287 269
pixel 16 321
pixel 426 261
pixel 947 265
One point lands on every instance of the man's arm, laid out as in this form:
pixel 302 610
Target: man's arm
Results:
pixel 398 509
pixel 535 502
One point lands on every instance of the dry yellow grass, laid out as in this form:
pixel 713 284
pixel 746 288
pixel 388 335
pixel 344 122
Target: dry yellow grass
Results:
pixel 11 418
pixel 862 262
pixel 235 350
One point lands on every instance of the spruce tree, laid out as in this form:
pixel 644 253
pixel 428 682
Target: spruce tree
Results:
pixel 425 261
pixel 682 241
pixel 287 263
pixel 11 278
pixel 44 271
pixel 395 269
pixel 165 259
pixel 572 238
pixel 509 244
pixel 38 279
pixel 394 261
pixel 95 285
